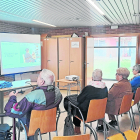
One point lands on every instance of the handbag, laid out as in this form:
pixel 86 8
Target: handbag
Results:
pixel 68 126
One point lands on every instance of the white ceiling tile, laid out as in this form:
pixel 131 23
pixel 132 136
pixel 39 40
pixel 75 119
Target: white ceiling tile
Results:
pixel 69 13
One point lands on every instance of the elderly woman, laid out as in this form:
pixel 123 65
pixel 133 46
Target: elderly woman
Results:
pixel 115 95
pixel 135 81
pixel 95 90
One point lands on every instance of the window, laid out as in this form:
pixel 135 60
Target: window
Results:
pixel 114 52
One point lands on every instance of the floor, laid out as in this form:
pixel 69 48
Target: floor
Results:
pixel 124 121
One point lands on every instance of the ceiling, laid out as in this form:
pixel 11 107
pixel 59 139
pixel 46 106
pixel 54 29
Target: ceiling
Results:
pixel 69 13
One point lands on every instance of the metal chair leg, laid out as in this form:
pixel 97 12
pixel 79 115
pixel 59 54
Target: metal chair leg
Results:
pixel 118 122
pixel 19 130
pixel 138 107
pixel 93 131
pixel 134 124
pixel 132 121
pixel 36 134
pixel 84 128
pixel 90 126
pixel 105 130
pixel 49 136
pixel 115 129
pixel 24 130
pixel 56 133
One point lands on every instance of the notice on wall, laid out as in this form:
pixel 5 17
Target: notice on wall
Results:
pixel 74 44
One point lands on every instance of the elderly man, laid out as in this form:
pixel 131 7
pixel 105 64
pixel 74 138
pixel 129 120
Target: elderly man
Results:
pixel 44 97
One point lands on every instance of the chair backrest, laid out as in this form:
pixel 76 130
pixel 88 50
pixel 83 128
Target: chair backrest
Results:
pixel 76 137
pixel 96 109
pixel 137 96
pixel 126 103
pixel 138 134
pixel 43 119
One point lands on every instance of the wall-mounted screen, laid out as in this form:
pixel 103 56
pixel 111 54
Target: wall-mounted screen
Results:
pixel 21 53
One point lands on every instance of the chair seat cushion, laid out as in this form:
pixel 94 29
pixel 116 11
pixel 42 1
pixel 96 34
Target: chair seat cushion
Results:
pixel 130 135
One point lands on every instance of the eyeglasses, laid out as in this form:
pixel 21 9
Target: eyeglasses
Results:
pixel 117 74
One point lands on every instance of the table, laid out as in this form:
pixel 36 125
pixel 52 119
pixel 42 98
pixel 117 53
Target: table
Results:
pixel 16 85
pixel 69 84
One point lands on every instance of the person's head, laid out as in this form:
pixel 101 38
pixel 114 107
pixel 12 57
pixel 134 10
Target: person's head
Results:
pixel 27 49
pixel 122 73
pixel 45 78
pixel 136 69
pixel 97 75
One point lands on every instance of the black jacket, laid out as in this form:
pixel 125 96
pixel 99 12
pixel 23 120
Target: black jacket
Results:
pixel 89 93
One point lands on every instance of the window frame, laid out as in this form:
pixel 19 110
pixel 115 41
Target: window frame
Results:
pixel 119 47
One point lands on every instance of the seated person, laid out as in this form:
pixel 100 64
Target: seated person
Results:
pixel 115 95
pixel 95 90
pixel 44 97
pixel 135 81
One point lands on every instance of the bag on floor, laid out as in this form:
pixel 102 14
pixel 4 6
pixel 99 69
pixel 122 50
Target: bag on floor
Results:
pixel 5 133
pixel 68 126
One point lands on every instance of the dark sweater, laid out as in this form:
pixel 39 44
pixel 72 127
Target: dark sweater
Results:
pixel 89 93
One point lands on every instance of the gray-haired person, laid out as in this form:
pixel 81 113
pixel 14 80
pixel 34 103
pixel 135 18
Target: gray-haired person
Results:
pixel 44 97
pixel 96 89
pixel 115 95
pixel 135 81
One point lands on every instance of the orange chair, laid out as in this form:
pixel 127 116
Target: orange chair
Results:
pixel 127 135
pixel 125 107
pixel 43 119
pixel 76 137
pixel 96 111
pixel 134 102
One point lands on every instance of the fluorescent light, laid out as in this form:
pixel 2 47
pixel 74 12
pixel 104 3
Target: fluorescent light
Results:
pixel 93 4
pixel 44 23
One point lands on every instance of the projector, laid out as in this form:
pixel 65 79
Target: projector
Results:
pixel 72 78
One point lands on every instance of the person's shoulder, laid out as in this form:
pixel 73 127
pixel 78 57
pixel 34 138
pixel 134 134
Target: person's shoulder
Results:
pixel 89 86
pixel 36 94
pixel 136 78
pixel 117 84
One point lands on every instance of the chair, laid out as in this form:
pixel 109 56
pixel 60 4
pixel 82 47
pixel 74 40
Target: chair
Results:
pixel 129 135
pixel 94 114
pixel 134 102
pixel 74 137
pixel 125 107
pixel 43 119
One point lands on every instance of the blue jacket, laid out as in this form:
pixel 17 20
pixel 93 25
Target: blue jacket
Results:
pixel 135 83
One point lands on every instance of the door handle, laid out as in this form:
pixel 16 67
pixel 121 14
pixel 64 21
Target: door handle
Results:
pixel 86 63
pixel 71 61
pixel 60 60
pixel 48 60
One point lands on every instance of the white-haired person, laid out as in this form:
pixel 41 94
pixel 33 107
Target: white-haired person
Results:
pixel 135 81
pixel 44 97
pixel 115 95
pixel 95 90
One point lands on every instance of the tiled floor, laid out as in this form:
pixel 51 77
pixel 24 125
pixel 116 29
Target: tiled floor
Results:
pixel 124 121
